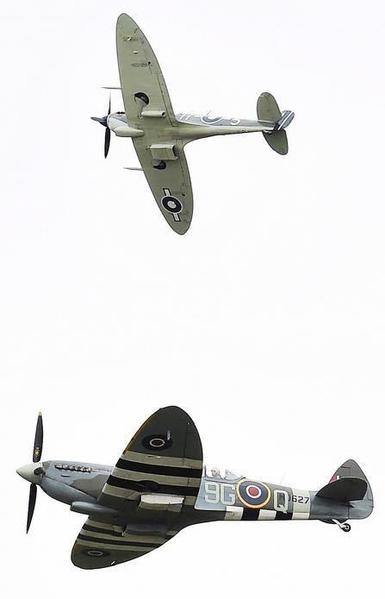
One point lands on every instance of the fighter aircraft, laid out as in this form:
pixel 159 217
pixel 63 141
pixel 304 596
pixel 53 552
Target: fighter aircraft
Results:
pixel 159 486
pixel 159 136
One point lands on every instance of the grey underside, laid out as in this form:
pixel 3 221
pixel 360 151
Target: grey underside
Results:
pixel 158 135
pixel 204 120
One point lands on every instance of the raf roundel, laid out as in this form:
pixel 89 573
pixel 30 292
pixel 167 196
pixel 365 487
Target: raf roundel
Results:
pixel 157 442
pixel 171 204
pixel 253 495
pixel 95 553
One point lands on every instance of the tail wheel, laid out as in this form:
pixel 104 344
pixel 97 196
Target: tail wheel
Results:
pixel 346 527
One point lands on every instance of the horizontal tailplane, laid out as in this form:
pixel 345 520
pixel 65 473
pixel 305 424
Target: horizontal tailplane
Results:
pixel 268 111
pixel 344 490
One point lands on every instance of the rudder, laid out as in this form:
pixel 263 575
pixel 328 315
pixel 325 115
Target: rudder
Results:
pixel 341 485
pixel 268 111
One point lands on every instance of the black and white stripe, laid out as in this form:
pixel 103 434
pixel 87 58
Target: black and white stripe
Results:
pixel 265 515
pixel 138 473
pixel 98 535
pixel 152 468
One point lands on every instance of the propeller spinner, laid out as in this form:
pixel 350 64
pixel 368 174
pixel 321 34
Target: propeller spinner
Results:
pixel 104 121
pixel 32 472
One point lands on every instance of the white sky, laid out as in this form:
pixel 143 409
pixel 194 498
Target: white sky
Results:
pixel 266 321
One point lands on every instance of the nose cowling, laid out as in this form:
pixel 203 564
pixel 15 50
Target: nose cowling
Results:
pixel 102 120
pixel 31 472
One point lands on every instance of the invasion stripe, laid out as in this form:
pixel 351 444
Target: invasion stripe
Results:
pixel 134 539
pixel 152 487
pixel 157 478
pixel 261 514
pixel 301 516
pixel 250 514
pixel 103 525
pixel 189 501
pixel 116 494
pixel 156 460
pixel 156 537
pixel 266 515
pixel 121 543
pixel 113 533
pixel 158 469
pixel 110 529
pixel 233 512
pixel 301 511
pixel 283 516
pixel 106 545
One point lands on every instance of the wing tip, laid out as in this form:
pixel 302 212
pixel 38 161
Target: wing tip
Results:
pixel 125 19
pixel 180 228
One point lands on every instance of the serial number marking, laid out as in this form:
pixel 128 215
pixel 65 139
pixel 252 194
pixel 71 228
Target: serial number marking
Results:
pixel 300 499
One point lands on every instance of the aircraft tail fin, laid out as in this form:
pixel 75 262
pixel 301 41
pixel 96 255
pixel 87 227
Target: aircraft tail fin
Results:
pixel 349 485
pixel 268 111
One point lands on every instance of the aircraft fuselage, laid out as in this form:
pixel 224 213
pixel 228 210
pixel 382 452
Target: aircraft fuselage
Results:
pixel 221 496
pixel 189 126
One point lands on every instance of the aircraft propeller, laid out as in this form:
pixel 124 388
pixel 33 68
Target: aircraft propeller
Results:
pixel 32 474
pixel 31 504
pixel 104 121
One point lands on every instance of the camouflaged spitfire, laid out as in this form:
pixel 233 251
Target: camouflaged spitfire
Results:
pixel 159 136
pixel 159 486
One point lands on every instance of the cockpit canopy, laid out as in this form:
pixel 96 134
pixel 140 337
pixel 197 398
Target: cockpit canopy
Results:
pixel 220 473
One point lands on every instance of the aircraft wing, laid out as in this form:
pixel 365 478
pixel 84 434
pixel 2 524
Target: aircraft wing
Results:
pixel 164 457
pixel 140 73
pixel 100 545
pixel 171 186
pixel 157 474
pixel 145 95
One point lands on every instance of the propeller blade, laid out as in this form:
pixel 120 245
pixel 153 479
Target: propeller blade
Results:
pixel 31 504
pixel 107 139
pixel 38 442
pixel 104 121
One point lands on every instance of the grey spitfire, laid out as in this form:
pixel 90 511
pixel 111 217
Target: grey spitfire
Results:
pixel 159 136
pixel 159 486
